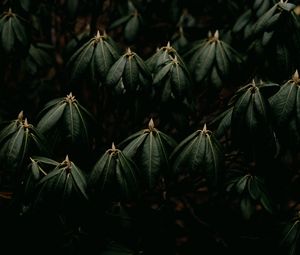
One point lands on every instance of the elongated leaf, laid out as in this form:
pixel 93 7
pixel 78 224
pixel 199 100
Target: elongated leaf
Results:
pixel 181 152
pixel 80 60
pixel 291 233
pixel 51 117
pixel 242 184
pixel 205 62
pixel 131 74
pixel 45 160
pixel 225 122
pixel 72 123
pixel 150 160
pixel 120 21
pixel 19 30
pixel 283 103
pixel 132 28
pixel 79 180
pixel 143 67
pixel 81 115
pixel 102 59
pixel 180 82
pixel 242 21
pixel 15 146
pixel 162 73
pixel 116 71
pixel 8 130
pixel 197 160
pixel 247 207
pixel 8 38
pixel 221 59
pixel 126 177
pixel 102 173
pixel 213 159
pixel 253 188
pixel 136 141
pixel 260 25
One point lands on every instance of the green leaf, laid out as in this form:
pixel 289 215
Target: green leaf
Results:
pixel 286 6
pixel 162 73
pixel 213 159
pixel 19 30
pixel 241 184
pixel 180 82
pixel 120 21
pixel 225 122
pixel 136 140
pixel 103 173
pixel 253 188
pixel 51 117
pixel 291 233
pixel 126 177
pixel 283 103
pixel 151 160
pixel 132 28
pixel 242 21
pixel 181 153
pixel 79 180
pixel 205 62
pixel 79 113
pixel 45 160
pixel 131 74
pixel 15 146
pixel 221 59
pixel 8 130
pixel 80 60
pixel 116 71
pixel 143 67
pixel 72 122
pixel 247 207
pixel 102 59
pixel 266 203
pixel 197 161
pixel 261 23
pixel 8 38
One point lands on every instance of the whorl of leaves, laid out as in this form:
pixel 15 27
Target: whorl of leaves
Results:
pixel 13 31
pixel 63 188
pixel 200 154
pixel 93 59
pixel 251 191
pixel 114 177
pixel 129 74
pixel 213 62
pixel 150 149
pixel 17 139
pixel 66 118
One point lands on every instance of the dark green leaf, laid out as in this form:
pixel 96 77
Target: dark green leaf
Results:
pixel 116 71
pixel 51 117
pixel 283 103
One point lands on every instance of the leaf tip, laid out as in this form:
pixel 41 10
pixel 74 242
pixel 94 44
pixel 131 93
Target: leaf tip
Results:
pixel 216 35
pixel 151 125
pixel 21 116
pixel 98 35
pixel 113 147
pixel 26 124
pixel 296 75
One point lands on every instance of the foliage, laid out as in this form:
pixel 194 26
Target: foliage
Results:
pixel 202 98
